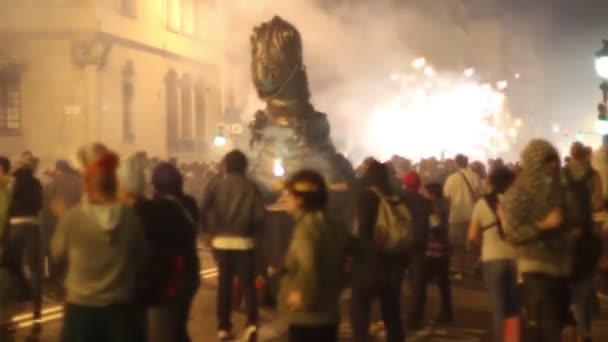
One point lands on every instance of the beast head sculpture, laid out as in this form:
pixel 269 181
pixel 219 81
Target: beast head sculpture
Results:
pixel 277 66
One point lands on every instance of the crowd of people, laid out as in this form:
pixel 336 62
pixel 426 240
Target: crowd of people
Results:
pixel 121 236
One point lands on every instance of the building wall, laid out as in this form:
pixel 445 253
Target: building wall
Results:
pixel 65 103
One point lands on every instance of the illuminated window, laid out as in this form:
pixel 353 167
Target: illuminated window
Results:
pixel 172 110
pixel 199 109
pixel 128 8
pixel 188 17
pixel 174 18
pixel 128 77
pixel 10 100
pixel 186 108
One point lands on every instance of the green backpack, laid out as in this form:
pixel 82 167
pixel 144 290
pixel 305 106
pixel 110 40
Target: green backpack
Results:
pixel 394 230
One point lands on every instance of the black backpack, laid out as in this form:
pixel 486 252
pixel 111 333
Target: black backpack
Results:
pixel 588 249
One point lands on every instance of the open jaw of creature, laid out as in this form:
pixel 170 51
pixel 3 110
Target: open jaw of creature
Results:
pixel 288 135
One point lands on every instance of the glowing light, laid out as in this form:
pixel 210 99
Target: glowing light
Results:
pixel 278 169
pixel 601 67
pixel 429 71
pixel 419 63
pixel 556 129
pixel 394 77
pixel 469 72
pixel 517 76
pixel 461 116
pixel 219 141
pixel 601 127
pixel 502 85
pixel 513 133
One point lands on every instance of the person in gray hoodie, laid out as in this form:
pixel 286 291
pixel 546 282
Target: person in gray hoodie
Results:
pixel 535 215
pixel 103 243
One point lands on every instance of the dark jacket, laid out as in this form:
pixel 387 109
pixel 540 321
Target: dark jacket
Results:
pixel 27 194
pixel 421 209
pixel 169 231
pixel 233 207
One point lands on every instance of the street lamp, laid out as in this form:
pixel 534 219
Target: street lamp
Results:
pixel 601 67
pixel 220 139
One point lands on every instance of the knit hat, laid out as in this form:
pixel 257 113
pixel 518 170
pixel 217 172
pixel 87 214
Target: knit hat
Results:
pixel 100 174
pixel 411 181
pixel 131 176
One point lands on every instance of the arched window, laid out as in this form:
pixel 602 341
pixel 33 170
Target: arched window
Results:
pixel 172 103
pixel 10 99
pixel 186 107
pixel 199 109
pixel 128 90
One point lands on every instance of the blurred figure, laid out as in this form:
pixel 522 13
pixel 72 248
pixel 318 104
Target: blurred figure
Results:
pixel 25 234
pixel 437 265
pixel 103 243
pixel 7 267
pixel 584 187
pixel 63 193
pixel 462 189
pixel 234 207
pixel 317 265
pixel 169 186
pixel 497 256
pixel 382 275
pixel 533 213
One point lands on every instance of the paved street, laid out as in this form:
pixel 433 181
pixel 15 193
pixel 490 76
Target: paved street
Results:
pixel 472 317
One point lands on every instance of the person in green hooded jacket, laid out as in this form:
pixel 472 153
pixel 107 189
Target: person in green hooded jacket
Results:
pixel 319 262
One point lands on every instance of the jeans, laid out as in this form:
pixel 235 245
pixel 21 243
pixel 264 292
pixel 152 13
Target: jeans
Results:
pixel 386 285
pixel 26 249
pixel 115 323
pixel 583 297
pixel 179 307
pixel 545 307
pixel 311 333
pixel 500 277
pixel 231 263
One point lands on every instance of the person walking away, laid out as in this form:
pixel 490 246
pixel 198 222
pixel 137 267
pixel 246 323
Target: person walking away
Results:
pixel 234 208
pixel 321 258
pixel 63 193
pixel 103 243
pixel 421 209
pixel 7 267
pixel 583 185
pixel 462 189
pixel 24 233
pixel 534 218
pixel 382 274
pixel 168 235
pixel 168 185
pixel 437 265
pixel 497 256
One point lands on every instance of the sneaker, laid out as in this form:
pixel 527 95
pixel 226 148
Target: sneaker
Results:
pixel 250 334
pixel 225 335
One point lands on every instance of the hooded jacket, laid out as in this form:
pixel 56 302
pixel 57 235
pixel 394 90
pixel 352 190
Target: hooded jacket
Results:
pixel 533 195
pixel 104 246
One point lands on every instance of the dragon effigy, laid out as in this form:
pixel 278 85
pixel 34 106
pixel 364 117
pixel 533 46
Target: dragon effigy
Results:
pixel 289 133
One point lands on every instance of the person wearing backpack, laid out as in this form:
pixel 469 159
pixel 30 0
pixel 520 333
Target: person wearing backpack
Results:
pixel 383 222
pixel 497 256
pixel 319 263
pixel 583 186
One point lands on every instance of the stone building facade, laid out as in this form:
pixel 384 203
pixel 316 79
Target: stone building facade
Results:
pixel 134 74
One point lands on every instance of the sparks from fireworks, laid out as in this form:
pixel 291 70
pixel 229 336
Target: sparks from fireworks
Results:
pixel 442 114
